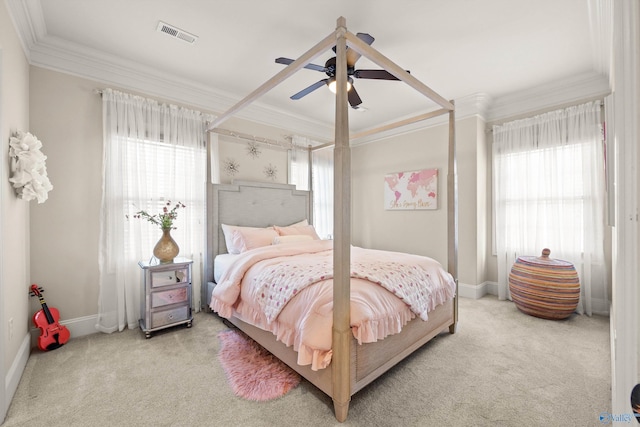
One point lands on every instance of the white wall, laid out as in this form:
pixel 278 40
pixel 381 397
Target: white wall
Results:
pixel 66 114
pixel 14 215
pixel 67 117
pixel 424 232
pixel 253 168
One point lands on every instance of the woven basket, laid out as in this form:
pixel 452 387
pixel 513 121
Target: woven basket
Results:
pixel 544 287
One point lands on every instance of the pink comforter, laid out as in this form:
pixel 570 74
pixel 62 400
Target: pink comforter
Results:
pixel 304 320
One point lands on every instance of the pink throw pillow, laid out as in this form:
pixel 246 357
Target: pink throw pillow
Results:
pixel 247 239
pixel 292 230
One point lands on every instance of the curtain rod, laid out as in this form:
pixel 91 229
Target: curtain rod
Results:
pixel 239 135
pixel 253 138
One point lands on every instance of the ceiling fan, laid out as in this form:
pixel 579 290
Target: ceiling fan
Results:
pixel 329 69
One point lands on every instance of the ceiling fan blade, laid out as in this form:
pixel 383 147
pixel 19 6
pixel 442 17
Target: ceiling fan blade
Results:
pixel 287 61
pixel 310 89
pixel 367 38
pixel 353 97
pixel 352 55
pixel 375 74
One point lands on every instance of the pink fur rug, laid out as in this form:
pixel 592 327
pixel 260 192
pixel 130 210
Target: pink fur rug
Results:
pixel 252 372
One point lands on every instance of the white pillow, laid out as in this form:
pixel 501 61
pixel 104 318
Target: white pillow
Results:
pixel 228 238
pixel 290 239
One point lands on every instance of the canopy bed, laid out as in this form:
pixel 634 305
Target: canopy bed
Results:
pixel 352 366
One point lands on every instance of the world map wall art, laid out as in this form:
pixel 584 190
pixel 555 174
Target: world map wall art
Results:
pixel 411 190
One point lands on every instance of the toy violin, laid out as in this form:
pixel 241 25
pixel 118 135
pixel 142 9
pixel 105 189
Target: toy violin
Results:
pixel 52 333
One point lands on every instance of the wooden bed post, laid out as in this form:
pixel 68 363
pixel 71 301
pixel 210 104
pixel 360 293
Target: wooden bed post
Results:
pixel 310 178
pixel 343 380
pixel 341 357
pixel 452 213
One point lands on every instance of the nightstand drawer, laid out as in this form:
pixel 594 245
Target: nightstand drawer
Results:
pixel 166 317
pixel 171 277
pixel 173 296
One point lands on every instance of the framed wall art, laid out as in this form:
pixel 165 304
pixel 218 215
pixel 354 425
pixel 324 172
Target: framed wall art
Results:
pixel 414 190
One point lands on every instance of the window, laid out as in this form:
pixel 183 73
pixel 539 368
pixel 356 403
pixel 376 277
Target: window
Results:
pixel 322 181
pixel 152 153
pixel 159 165
pixel 543 190
pixel 548 189
pixel 322 176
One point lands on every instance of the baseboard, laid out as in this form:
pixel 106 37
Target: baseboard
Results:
pixel 81 326
pixel 78 327
pixel 600 306
pixel 477 291
pixel 17 368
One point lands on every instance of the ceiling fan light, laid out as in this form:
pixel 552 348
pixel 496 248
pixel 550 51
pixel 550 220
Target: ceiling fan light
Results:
pixel 332 84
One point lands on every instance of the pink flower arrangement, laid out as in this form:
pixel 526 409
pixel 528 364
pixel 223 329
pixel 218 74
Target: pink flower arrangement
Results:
pixel 165 218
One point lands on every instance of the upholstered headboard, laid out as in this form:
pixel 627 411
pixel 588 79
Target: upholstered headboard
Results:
pixel 251 204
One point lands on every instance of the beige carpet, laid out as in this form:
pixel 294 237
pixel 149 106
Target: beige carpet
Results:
pixel 502 368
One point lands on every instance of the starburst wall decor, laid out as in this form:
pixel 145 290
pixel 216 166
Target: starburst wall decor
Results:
pixel 231 167
pixel 271 172
pixel 253 150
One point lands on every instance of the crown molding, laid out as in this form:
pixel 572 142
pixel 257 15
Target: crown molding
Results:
pixel 52 53
pixel 49 52
pixel 560 92
pixel 601 32
pixel 60 55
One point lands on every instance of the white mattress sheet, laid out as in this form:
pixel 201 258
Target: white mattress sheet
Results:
pixel 221 263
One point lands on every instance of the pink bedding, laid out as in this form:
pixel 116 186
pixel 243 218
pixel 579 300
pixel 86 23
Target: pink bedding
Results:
pixel 382 302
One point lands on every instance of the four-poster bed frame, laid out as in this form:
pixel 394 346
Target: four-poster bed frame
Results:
pixel 354 366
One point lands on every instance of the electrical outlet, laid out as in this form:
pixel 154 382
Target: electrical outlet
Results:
pixel 10 328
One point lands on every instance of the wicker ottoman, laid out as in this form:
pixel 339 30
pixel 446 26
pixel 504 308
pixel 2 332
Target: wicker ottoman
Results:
pixel 544 287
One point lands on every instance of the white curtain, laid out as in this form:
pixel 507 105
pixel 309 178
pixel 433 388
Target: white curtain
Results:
pixel 322 181
pixel 322 175
pixel 152 153
pixel 214 157
pixel 549 193
pixel 299 162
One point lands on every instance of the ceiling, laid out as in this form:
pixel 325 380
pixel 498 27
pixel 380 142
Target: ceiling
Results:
pixel 463 49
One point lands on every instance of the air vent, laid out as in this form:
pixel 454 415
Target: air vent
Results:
pixel 177 33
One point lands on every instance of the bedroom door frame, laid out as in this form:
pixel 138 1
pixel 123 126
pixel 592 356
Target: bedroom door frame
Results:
pixel 4 404
pixel 626 298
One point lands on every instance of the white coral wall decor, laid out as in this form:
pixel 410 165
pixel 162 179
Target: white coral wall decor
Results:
pixel 29 172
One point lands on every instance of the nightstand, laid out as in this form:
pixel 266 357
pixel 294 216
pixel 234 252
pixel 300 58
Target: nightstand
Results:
pixel 165 298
